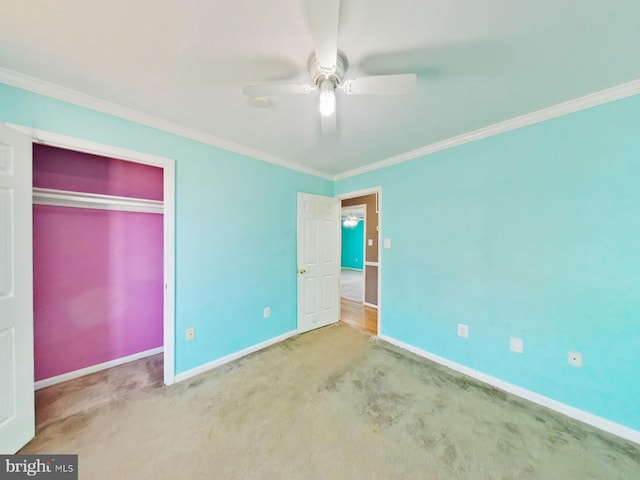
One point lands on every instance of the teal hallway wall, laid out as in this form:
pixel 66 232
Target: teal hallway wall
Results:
pixel 353 246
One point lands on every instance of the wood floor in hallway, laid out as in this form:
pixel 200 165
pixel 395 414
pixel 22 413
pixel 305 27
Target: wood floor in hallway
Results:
pixel 363 317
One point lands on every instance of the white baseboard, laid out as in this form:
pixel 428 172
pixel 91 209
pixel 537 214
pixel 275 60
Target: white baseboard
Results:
pixel 588 418
pixel 371 305
pixel 96 368
pixel 233 356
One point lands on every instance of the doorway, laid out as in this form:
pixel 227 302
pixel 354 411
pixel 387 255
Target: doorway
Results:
pixel 166 351
pixel 353 226
pixel 168 231
pixel 360 265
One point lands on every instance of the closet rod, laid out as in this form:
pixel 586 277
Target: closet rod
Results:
pixel 65 198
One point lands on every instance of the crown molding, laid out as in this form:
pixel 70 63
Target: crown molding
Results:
pixel 598 98
pixel 35 85
pixel 64 94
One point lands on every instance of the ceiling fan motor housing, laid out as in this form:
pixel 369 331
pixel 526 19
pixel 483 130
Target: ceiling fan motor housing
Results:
pixel 318 76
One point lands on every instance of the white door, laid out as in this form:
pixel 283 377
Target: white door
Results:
pixel 17 415
pixel 318 261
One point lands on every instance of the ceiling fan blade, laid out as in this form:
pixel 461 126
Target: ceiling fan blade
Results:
pixel 276 89
pixel 400 84
pixel 323 19
pixel 328 124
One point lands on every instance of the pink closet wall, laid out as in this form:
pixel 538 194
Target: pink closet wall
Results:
pixel 98 274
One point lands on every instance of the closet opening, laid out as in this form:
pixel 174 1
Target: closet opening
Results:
pixel 99 279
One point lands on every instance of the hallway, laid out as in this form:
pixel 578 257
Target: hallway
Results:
pixel 362 317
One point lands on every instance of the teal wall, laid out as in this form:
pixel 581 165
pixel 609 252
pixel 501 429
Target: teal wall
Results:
pixel 353 246
pixel 235 227
pixel 533 233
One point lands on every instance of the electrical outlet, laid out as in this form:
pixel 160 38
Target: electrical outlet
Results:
pixel 575 359
pixel 463 330
pixel 516 344
pixel 191 333
pixel 266 313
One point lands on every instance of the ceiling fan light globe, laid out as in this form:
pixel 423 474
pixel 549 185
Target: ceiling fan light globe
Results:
pixel 327 98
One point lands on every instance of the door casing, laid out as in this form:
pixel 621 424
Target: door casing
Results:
pixel 168 166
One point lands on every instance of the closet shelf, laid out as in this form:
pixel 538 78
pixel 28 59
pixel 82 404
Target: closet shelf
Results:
pixel 65 198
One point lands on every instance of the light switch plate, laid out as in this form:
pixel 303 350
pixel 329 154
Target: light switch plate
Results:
pixel 516 344
pixel 463 330
pixel 370 242
pixel 387 243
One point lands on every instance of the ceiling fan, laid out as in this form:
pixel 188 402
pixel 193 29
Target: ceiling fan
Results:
pixel 351 220
pixel 327 66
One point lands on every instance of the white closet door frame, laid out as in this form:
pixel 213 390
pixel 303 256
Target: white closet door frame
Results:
pixel 17 419
pixel 168 166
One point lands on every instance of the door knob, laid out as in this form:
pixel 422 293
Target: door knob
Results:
pixel 301 270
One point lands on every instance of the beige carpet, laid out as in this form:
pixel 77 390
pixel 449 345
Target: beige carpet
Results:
pixel 332 404
pixel 107 386
pixel 352 285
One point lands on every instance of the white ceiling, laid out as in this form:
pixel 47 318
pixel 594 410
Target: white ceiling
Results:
pixel 357 211
pixel 478 63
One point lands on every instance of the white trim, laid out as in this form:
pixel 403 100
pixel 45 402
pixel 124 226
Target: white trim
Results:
pixel 366 304
pixel 169 236
pixel 354 269
pixel 364 255
pixel 371 264
pixel 47 382
pixel 168 166
pixel 65 198
pixel 233 356
pixel 52 90
pixel 52 139
pixel 359 193
pixel 598 98
pixel 563 408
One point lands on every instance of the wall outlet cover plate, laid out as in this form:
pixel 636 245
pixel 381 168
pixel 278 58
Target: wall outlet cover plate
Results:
pixel 191 333
pixel 575 359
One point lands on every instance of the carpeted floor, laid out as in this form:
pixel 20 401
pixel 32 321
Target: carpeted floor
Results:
pixel 352 285
pixel 332 404
pixel 102 388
